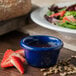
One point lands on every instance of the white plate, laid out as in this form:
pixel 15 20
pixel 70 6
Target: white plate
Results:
pixel 38 17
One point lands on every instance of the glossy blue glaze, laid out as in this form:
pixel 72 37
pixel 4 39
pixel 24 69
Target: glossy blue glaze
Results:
pixel 42 57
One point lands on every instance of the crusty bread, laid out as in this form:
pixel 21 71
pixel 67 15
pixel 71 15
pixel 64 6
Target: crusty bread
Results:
pixel 14 8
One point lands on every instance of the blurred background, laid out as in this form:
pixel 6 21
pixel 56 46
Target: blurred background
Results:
pixel 48 2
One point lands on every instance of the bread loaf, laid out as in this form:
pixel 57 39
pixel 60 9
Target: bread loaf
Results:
pixel 14 8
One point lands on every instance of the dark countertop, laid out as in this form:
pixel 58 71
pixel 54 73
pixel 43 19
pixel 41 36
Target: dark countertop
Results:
pixel 11 41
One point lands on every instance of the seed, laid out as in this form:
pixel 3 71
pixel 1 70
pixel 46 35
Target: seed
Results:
pixel 49 72
pixel 56 71
pixel 60 69
pixel 45 73
pixel 74 71
pixel 71 72
pixel 65 68
pixel 42 69
pixel 75 68
pixel 69 69
pixel 71 66
pixel 55 67
pixel 51 68
pixel 63 74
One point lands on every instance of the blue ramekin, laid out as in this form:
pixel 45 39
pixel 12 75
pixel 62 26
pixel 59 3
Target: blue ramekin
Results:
pixel 42 57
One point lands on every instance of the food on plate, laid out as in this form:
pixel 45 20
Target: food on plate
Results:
pixel 62 16
pixel 13 58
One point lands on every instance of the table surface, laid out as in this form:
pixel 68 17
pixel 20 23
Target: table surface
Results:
pixel 12 41
pixel 42 3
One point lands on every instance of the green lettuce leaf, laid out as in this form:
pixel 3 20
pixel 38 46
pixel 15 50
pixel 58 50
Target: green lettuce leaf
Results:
pixel 68 13
pixel 49 13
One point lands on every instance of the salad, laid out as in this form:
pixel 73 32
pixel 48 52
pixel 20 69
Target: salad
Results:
pixel 62 16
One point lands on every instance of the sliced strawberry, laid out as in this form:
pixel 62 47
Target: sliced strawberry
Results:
pixel 17 63
pixel 19 56
pixel 6 64
pixel 6 59
pixel 20 51
pixel 7 54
